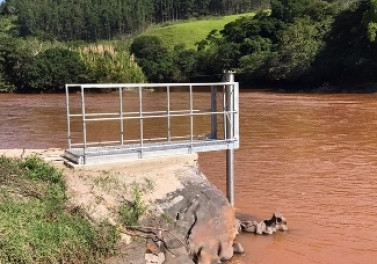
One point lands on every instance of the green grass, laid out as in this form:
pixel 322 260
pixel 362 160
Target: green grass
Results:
pixel 131 211
pixel 35 225
pixel 190 32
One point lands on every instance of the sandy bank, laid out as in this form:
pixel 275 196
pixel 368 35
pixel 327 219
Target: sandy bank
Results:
pixel 187 219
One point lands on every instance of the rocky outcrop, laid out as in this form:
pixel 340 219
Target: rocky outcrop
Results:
pixel 188 220
pixel 276 223
pixel 202 226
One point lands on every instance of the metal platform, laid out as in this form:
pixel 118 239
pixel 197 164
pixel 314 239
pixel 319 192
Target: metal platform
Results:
pixel 221 130
pixel 108 154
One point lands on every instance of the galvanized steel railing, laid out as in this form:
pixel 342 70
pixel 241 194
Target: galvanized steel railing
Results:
pixel 228 116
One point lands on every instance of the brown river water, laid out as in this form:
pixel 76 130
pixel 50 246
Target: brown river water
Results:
pixel 311 157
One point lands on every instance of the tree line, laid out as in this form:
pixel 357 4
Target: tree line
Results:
pixel 297 44
pixel 92 20
pixel 34 66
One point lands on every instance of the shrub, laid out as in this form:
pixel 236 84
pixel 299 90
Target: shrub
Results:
pixel 52 69
pixel 131 211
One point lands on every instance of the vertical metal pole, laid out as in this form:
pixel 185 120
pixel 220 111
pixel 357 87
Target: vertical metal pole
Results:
pixel 224 112
pixel 141 121
pixel 191 119
pixel 236 100
pixel 68 116
pixel 169 121
pixel 229 77
pixel 83 121
pixel 121 116
pixel 213 110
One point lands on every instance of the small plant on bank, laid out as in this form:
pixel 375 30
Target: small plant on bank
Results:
pixel 149 185
pixel 167 218
pixel 106 181
pixel 131 211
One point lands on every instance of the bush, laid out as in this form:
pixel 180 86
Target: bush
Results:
pixel 153 57
pixel 107 65
pixel 52 69
pixel 35 168
pixel 131 211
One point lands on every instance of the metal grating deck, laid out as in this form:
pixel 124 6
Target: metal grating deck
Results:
pixel 135 151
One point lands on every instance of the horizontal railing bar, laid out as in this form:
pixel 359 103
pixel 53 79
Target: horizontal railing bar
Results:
pixel 158 116
pixel 95 143
pixel 131 113
pixel 145 85
pixel 132 141
pixel 166 144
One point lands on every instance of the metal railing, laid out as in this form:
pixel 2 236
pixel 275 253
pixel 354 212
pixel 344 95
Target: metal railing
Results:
pixel 223 115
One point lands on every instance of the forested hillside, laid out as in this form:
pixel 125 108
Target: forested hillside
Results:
pixel 296 45
pixel 326 45
pixel 105 19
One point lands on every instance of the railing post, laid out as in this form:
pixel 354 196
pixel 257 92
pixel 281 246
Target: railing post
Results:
pixel 213 110
pixel 121 116
pixel 191 119
pixel 83 122
pixel 141 122
pixel 68 117
pixel 229 107
pixel 168 112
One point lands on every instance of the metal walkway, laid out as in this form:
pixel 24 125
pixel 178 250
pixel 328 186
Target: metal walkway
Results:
pixel 222 117
pixel 132 152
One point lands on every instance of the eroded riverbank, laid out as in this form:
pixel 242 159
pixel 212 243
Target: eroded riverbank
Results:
pixel 165 202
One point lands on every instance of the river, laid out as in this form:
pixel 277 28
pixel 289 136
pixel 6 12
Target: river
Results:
pixel 311 157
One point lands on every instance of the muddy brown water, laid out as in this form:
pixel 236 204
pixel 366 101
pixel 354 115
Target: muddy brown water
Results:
pixel 312 157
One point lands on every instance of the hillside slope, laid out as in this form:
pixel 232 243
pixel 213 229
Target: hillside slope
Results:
pixel 190 32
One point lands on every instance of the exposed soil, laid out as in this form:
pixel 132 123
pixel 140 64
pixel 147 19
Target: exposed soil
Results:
pixel 187 219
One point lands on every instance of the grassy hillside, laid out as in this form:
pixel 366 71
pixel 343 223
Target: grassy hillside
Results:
pixel 190 32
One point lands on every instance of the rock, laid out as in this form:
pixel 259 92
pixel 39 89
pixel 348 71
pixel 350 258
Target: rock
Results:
pixel 202 227
pixel 270 226
pixel 152 246
pixel 124 238
pixel 212 232
pixel 154 259
pixel 226 250
pixel 238 248
pixel 207 257
pixel 249 226
pixel 237 226
pixel 188 219
pixel 183 259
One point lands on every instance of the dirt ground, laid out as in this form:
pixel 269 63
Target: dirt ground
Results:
pixel 99 190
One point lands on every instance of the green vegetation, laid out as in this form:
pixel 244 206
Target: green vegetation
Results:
pixel 47 44
pixel 106 64
pixel 370 20
pixel 35 225
pixel 297 43
pixel 92 20
pixel 47 70
pixel 190 32
pixel 287 43
pixel 131 211
pixel 31 65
